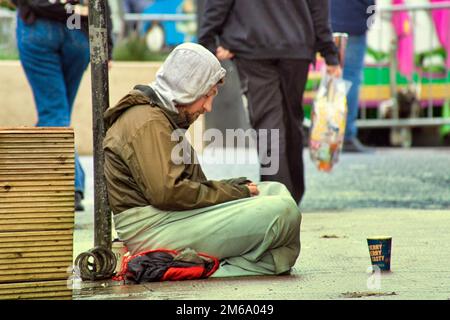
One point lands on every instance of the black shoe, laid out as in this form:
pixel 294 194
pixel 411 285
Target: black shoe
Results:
pixel 355 146
pixel 78 205
pixel 286 273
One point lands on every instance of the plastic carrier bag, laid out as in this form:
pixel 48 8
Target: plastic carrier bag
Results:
pixel 328 120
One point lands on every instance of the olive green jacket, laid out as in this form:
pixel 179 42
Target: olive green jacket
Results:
pixel 139 169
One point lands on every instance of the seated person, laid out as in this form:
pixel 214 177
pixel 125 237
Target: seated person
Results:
pixel 159 203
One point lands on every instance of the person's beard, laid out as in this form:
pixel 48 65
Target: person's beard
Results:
pixel 190 117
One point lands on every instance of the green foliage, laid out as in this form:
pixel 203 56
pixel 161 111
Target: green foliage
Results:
pixel 378 55
pixel 134 48
pixel 438 69
pixel 6 4
pixel 419 58
pixel 445 130
pixel 10 55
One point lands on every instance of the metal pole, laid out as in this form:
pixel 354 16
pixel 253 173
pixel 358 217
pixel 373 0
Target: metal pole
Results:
pixel 100 102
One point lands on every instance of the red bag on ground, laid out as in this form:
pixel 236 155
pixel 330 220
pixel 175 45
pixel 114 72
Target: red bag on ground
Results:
pixel 167 265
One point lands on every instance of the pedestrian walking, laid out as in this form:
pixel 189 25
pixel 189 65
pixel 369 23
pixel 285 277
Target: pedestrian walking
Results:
pixel 352 17
pixel 54 58
pixel 273 44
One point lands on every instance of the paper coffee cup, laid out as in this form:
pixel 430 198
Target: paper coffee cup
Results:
pixel 380 251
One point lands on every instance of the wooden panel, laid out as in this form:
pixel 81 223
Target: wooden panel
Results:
pixel 60 295
pixel 34 198
pixel 36 189
pixel 41 244
pixel 8 185
pixel 20 167
pixel 44 284
pixel 23 268
pixel 37 135
pixel 25 235
pixel 69 297
pixel 42 145
pixel 46 204
pixel 50 172
pixel 38 254
pixel 36 290
pixel 37 171
pixel 36 271
pixel 36 239
pixel 12 216
pixel 38 226
pixel 60 248
pixel 63 259
pixel 32 289
pixel 34 161
pixel 38 156
pixel 44 178
pixel 31 139
pixel 37 210
pixel 38 151
pixel 36 192
pixel 37 130
pixel 33 277
pixel 36 220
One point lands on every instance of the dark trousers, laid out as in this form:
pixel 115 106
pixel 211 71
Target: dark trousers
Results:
pixel 274 89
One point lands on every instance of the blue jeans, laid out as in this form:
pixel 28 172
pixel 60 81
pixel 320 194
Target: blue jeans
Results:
pixel 353 71
pixel 54 59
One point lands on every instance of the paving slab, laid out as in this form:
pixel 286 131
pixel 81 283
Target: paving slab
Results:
pixel 334 264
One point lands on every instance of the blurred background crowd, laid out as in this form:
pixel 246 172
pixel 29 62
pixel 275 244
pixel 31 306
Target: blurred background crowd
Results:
pixel 406 59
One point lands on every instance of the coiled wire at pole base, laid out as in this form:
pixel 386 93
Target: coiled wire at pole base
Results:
pixel 98 263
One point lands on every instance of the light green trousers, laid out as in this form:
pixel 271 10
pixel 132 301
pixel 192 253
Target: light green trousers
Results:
pixel 252 236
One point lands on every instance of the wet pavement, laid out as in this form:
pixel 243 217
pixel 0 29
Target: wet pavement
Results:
pixel 404 193
pixel 390 178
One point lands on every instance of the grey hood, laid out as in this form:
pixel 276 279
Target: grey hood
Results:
pixel 188 73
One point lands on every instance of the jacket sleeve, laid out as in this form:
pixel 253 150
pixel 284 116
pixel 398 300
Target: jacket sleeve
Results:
pixel 214 16
pixel 164 183
pixel 320 13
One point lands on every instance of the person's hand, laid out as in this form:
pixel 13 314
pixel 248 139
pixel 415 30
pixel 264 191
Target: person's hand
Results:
pixel 223 54
pixel 110 64
pixel 253 189
pixel 334 71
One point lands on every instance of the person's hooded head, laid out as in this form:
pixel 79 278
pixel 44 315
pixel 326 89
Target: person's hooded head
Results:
pixel 187 81
pixel 184 88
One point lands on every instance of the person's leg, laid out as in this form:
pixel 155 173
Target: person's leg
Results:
pixel 75 59
pixel 260 81
pixel 39 46
pixel 293 75
pixel 252 236
pixel 353 71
